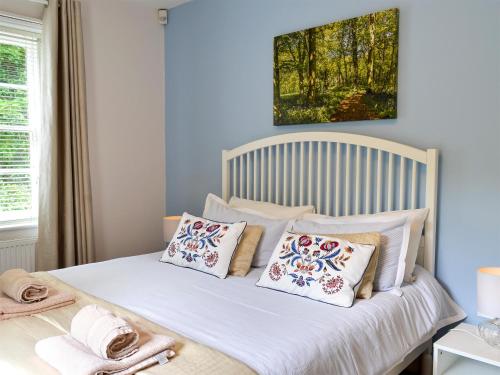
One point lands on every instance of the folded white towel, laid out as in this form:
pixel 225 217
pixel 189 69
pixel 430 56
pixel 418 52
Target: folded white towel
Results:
pixel 70 357
pixel 105 334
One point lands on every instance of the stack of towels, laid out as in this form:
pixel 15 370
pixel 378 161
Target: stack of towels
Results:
pixel 22 294
pixel 101 343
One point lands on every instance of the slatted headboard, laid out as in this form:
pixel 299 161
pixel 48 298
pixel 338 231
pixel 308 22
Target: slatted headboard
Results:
pixel 338 173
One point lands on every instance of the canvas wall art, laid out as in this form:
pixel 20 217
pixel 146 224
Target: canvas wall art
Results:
pixel 343 71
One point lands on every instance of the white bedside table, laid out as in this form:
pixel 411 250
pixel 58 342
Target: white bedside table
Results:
pixel 460 353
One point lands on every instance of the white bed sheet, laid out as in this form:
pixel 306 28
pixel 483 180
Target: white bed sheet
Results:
pixel 270 331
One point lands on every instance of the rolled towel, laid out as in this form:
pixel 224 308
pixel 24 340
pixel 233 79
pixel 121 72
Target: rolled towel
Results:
pixel 22 287
pixel 106 335
pixel 70 357
pixel 12 309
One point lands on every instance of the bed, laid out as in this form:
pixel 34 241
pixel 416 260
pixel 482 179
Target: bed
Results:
pixel 278 333
pixel 272 332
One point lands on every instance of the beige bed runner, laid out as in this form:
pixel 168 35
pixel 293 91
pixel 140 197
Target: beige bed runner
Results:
pixel 19 335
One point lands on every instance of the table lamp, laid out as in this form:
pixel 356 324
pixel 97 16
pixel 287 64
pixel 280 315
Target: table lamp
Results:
pixel 488 304
pixel 170 224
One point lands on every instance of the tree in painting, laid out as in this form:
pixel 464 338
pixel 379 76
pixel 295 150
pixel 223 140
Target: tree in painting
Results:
pixel 343 71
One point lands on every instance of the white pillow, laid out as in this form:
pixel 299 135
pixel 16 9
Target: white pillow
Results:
pixel 218 209
pixel 203 245
pixel 394 233
pixel 271 210
pixel 416 218
pixel 322 268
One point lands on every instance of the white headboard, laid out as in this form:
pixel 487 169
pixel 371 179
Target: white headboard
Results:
pixel 338 173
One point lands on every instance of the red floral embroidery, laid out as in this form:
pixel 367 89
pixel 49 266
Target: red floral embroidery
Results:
pixel 329 245
pixel 211 228
pixel 310 259
pixel 305 241
pixel 198 225
pixel 275 272
pixel 199 241
pixel 172 249
pixel 210 258
pixel 333 285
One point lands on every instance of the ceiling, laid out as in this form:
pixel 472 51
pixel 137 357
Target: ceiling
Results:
pixel 33 9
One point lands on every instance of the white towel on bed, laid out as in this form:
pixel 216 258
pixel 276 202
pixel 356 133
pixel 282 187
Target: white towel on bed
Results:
pixel 106 335
pixel 70 357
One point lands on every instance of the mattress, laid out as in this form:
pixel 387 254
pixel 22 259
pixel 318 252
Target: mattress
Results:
pixel 271 331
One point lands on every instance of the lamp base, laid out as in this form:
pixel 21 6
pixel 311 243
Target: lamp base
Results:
pixel 490 332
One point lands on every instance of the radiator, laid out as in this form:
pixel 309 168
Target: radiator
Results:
pixel 18 254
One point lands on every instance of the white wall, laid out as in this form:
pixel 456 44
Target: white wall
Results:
pixel 124 57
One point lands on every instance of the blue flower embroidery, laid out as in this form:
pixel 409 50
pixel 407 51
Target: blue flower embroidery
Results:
pixel 300 281
pixel 196 239
pixel 307 257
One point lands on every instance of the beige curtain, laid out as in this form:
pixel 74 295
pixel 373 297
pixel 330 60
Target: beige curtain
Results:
pixel 65 232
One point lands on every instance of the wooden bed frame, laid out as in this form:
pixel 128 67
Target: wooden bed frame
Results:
pixel 340 174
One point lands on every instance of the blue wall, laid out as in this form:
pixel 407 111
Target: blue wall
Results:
pixel 219 95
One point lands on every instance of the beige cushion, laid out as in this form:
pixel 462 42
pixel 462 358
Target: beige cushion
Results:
pixel 242 259
pixel 366 287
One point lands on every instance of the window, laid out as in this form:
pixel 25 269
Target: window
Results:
pixel 19 123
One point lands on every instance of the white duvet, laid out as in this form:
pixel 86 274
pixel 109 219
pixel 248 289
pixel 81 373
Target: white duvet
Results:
pixel 270 331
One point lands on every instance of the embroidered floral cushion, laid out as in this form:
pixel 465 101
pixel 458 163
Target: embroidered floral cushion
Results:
pixel 204 245
pixel 319 267
pixel 395 234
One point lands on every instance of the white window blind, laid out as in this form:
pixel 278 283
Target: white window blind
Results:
pixel 19 123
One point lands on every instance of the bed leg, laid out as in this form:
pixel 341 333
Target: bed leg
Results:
pixel 426 361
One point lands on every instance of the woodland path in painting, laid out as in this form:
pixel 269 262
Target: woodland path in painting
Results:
pixel 353 108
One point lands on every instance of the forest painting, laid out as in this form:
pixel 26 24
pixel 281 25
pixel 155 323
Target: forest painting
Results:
pixel 343 71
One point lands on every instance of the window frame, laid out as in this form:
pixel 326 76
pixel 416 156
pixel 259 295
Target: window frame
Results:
pixel 32 29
